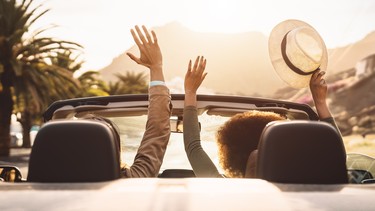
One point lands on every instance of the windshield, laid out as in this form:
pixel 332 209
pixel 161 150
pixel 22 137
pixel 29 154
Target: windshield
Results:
pixel 131 133
pixel 132 128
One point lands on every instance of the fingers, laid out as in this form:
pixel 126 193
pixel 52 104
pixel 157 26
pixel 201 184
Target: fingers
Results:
pixel 189 69
pixel 196 63
pixel 140 35
pixel 317 78
pixel 134 58
pixel 204 76
pixel 318 86
pixel 149 40
pixel 204 64
pixel 314 75
pixel 140 38
pixel 198 68
pixel 318 74
pixel 322 81
pixel 199 64
pixel 135 37
pixel 321 74
pixel 154 37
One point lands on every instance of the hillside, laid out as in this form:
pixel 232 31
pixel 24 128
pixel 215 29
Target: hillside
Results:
pixel 351 97
pixel 240 59
pixel 346 57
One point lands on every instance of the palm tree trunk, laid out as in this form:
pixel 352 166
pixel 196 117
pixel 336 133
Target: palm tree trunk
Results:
pixel 6 106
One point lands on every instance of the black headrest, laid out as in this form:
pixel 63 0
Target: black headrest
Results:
pixel 74 151
pixel 306 152
pixel 177 173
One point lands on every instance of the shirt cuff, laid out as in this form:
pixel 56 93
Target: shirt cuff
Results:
pixel 156 83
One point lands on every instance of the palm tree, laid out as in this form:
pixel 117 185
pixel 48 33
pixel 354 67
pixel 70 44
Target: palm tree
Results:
pixel 129 83
pixel 33 93
pixel 92 85
pixel 114 88
pixel 26 70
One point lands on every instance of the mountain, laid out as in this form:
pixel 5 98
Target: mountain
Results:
pixel 353 101
pixel 351 97
pixel 346 57
pixel 236 63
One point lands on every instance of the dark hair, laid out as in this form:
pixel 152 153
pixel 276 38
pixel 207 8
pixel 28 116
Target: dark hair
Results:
pixel 239 136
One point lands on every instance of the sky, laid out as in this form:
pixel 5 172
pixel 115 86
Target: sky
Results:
pixel 102 27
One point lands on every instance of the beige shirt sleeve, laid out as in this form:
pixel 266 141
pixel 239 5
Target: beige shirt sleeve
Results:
pixel 151 151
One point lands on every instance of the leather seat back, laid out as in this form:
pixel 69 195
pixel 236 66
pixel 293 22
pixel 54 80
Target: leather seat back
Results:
pixel 298 151
pixel 74 151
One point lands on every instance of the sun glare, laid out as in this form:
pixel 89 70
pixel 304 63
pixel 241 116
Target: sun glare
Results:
pixel 102 26
pixel 224 16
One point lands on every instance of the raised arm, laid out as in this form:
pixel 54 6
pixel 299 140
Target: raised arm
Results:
pixel 151 152
pixel 193 79
pixel 198 158
pixel 318 88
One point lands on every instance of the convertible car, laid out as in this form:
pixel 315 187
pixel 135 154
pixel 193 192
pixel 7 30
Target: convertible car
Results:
pixel 74 165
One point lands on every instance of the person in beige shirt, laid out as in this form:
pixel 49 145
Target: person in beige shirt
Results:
pixel 151 151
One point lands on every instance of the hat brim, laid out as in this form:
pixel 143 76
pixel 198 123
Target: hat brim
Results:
pixel 292 78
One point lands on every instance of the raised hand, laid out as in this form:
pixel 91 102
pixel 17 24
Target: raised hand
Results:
pixel 318 88
pixel 150 53
pixel 193 79
pixel 195 76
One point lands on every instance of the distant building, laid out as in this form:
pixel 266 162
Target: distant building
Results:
pixel 365 67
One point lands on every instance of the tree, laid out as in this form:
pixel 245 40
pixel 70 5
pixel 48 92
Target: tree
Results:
pixel 26 70
pixel 129 83
pixel 92 85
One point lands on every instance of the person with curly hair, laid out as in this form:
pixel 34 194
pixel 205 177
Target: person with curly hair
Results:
pixel 238 138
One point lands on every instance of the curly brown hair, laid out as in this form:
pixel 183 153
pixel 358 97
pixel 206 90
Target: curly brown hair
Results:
pixel 239 136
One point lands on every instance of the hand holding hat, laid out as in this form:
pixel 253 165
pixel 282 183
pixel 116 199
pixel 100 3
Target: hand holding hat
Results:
pixel 296 51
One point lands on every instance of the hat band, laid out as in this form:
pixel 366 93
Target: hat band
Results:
pixel 288 62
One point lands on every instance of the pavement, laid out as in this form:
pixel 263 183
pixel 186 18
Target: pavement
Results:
pixel 19 157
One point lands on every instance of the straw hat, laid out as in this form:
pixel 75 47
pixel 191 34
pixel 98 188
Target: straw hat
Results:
pixel 296 51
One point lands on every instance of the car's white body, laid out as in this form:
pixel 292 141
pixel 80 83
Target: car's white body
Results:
pixel 183 193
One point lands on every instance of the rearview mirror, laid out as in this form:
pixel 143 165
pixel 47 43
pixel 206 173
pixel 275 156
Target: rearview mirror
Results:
pixel 10 174
pixel 176 125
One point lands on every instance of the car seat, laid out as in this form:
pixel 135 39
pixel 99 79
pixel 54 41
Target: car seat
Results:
pixel 177 173
pixel 300 151
pixel 74 151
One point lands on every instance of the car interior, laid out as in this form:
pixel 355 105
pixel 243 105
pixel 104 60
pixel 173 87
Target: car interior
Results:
pixel 301 151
